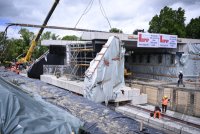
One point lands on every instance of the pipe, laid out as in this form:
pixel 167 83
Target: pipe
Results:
pixel 53 27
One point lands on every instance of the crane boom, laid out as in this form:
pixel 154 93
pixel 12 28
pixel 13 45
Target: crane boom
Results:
pixel 35 40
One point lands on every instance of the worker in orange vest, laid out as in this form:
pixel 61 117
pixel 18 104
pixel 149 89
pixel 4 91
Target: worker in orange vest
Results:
pixel 165 101
pixel 157 113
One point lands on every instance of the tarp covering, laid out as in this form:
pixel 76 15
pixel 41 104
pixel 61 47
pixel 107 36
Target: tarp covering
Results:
pixel 105 76
pixel 194 49
pixel 20 114
pixel 184 58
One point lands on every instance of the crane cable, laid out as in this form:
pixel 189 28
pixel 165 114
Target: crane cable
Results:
pixel 89 6
pixel 104 13
pixel 87 9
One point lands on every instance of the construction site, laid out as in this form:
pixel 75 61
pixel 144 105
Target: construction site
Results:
pixel 105 83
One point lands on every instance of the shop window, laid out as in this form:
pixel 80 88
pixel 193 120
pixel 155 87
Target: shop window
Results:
pixel 159 58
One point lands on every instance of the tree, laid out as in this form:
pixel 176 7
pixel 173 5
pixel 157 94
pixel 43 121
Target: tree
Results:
pixel 17 48
pixel 3 44
pixel 138 30
pixel 193 28
pixel 70 37
pixel 54 36
pixel 169 22
pixel 115 30
pixel 39 50
pixel 2 41
pixel 27 37
pixel 13 48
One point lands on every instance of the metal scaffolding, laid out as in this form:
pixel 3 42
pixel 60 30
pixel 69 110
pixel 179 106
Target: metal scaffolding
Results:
pixel 79 59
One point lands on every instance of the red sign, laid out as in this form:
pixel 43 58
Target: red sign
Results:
pixel 157 40
pixel 142 39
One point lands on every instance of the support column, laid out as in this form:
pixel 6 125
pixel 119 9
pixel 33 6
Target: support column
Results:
pixel 160 94
pixel 174 99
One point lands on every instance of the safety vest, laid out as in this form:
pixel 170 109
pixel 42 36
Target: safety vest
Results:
pixel 157 114
pixel 164 101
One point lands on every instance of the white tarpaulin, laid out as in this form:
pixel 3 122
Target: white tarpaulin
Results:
pixel 105 76
pixel 157 40
pixel 194 49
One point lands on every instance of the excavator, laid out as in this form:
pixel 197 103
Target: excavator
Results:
pixel 27 58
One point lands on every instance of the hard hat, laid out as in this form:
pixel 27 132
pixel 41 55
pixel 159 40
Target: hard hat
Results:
pixel 165 97
pixel 180 71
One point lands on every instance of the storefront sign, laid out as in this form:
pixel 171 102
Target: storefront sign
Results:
pixel 157 40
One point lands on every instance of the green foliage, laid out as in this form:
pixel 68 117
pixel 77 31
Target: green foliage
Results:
pixel 115 30
pixel 169 22
pixel 138 30
pixel 70 37
pixel 26 35
pixel 17 48
pixel 39 50
pixel 193 28
pixel 2 42
pixel 12 48
pixel 23 43
pixel 54 36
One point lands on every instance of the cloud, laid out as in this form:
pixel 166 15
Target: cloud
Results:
pixel 7 8
pixel 126 15
pixel 191 9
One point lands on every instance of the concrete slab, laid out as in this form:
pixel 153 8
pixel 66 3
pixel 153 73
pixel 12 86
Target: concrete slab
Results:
pixel 181 116
pixel 74 86
pixel 143 116
pixel 77 87
pixel 131 113
pixel 134 92
pixel 120 109
pixel 129 94
pixel 157 122
pixel 173 126
pixel 126 111
pixel 62 42
pixel 163 123
pixel 190 130
pixel 140 99
pixel 184 117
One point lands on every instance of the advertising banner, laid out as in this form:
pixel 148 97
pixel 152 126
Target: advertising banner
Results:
pixel 157 40
pixel 168 41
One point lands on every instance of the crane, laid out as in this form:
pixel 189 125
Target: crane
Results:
pixel 35 40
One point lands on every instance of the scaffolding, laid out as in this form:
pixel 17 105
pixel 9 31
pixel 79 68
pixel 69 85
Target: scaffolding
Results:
pixel 79 57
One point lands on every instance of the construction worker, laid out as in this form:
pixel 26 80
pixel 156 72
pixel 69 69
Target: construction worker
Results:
pixel 156 112
pixel 165 101
pixel 180 80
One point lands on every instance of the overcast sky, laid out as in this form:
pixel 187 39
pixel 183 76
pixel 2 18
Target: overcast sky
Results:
pixel 126 15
